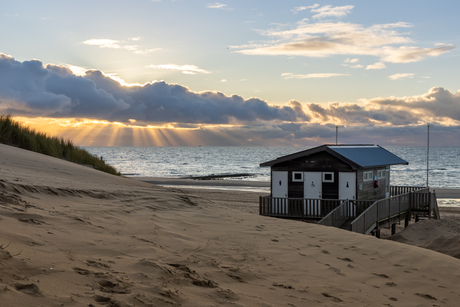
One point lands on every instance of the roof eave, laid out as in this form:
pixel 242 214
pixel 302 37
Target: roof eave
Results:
pixel 293 156
pixel 354 165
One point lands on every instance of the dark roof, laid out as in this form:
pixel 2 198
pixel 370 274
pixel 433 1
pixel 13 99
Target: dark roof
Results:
pixel 358 156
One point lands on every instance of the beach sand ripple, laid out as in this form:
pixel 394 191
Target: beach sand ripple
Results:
pixel 73 236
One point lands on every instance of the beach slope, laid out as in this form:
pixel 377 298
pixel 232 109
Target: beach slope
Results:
pixel 73 236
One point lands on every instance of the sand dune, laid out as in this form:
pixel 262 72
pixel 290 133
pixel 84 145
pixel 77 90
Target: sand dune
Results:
pixel 439 235
pixel 73 236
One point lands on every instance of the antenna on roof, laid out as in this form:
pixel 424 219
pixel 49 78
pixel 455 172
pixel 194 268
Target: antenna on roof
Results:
pixel 336 134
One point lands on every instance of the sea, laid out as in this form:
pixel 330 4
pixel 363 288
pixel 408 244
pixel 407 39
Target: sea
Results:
pixel 442 163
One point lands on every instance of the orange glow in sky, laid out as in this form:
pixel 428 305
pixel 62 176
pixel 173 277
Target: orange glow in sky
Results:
pixel 89 132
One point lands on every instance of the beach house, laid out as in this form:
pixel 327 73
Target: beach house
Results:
pixel 344 186
pixel 360 172
pixel 323 176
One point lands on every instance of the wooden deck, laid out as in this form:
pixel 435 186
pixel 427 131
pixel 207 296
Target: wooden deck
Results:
pixel 357 215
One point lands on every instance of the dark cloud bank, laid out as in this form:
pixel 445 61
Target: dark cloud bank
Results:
pixel 30 89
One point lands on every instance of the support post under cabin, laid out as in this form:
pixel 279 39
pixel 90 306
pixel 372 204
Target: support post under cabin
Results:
pixel 393 229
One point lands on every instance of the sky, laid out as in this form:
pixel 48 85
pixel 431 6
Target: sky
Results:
pixel 240 73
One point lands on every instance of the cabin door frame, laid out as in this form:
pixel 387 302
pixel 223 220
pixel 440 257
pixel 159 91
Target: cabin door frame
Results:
pixel 312 189
pixel 347 185
pixel 280 190
pixel 347 188
pixel 313 185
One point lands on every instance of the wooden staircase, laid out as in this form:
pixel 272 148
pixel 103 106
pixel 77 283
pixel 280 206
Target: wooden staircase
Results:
pixel 413 202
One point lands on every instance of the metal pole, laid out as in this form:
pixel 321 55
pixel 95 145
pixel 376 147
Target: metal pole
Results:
pixel 336 134
pixel 428 155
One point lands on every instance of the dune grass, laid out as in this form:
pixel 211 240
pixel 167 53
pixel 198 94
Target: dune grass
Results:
pixel 15 134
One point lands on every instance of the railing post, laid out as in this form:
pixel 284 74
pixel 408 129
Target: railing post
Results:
pixel 378 210
pixel 410 200
pixel 429 205
pixel 260 205
pixel 389 210
pixel 364 222
pixel 304 209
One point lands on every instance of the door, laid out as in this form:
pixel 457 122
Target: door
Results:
pixel 347 185
pixel 347 189
pixel 312 185
pixel 279 190
pixel 312 189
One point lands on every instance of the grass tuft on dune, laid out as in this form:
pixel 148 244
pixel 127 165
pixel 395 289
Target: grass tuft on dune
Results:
pixel 15 134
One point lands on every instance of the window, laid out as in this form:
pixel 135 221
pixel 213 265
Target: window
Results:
pixel 328 177
pixel 297 176
pixel 381 174
pixel 367 176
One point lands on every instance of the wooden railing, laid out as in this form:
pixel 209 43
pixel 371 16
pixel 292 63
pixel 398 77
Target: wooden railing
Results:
pixel 306 207
pixel 296 207
pixel 348 209
pixel 421 199
pixel 392 207
pixel 398 190
pixel 434 206
pixel 368 215
pixel 339 215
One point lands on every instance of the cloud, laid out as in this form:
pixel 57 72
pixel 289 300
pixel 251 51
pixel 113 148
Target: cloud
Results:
pixel 117 44
pixel 76 70
pixel 289 75
pixel 406 54
pixel 217 5
pixel 438 104
pixel 325 39
pixel 378 65
pixel 355 60
pixel 348 63
pixel 303 8
pixel 30 89
pixel 330 11
pixel 185 69
pixel 355 115
pixel 325 11
pixel 400 76
pixel 299 110
pixel 103 43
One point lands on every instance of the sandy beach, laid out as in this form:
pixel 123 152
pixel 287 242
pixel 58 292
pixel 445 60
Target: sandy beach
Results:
pixel 73 236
